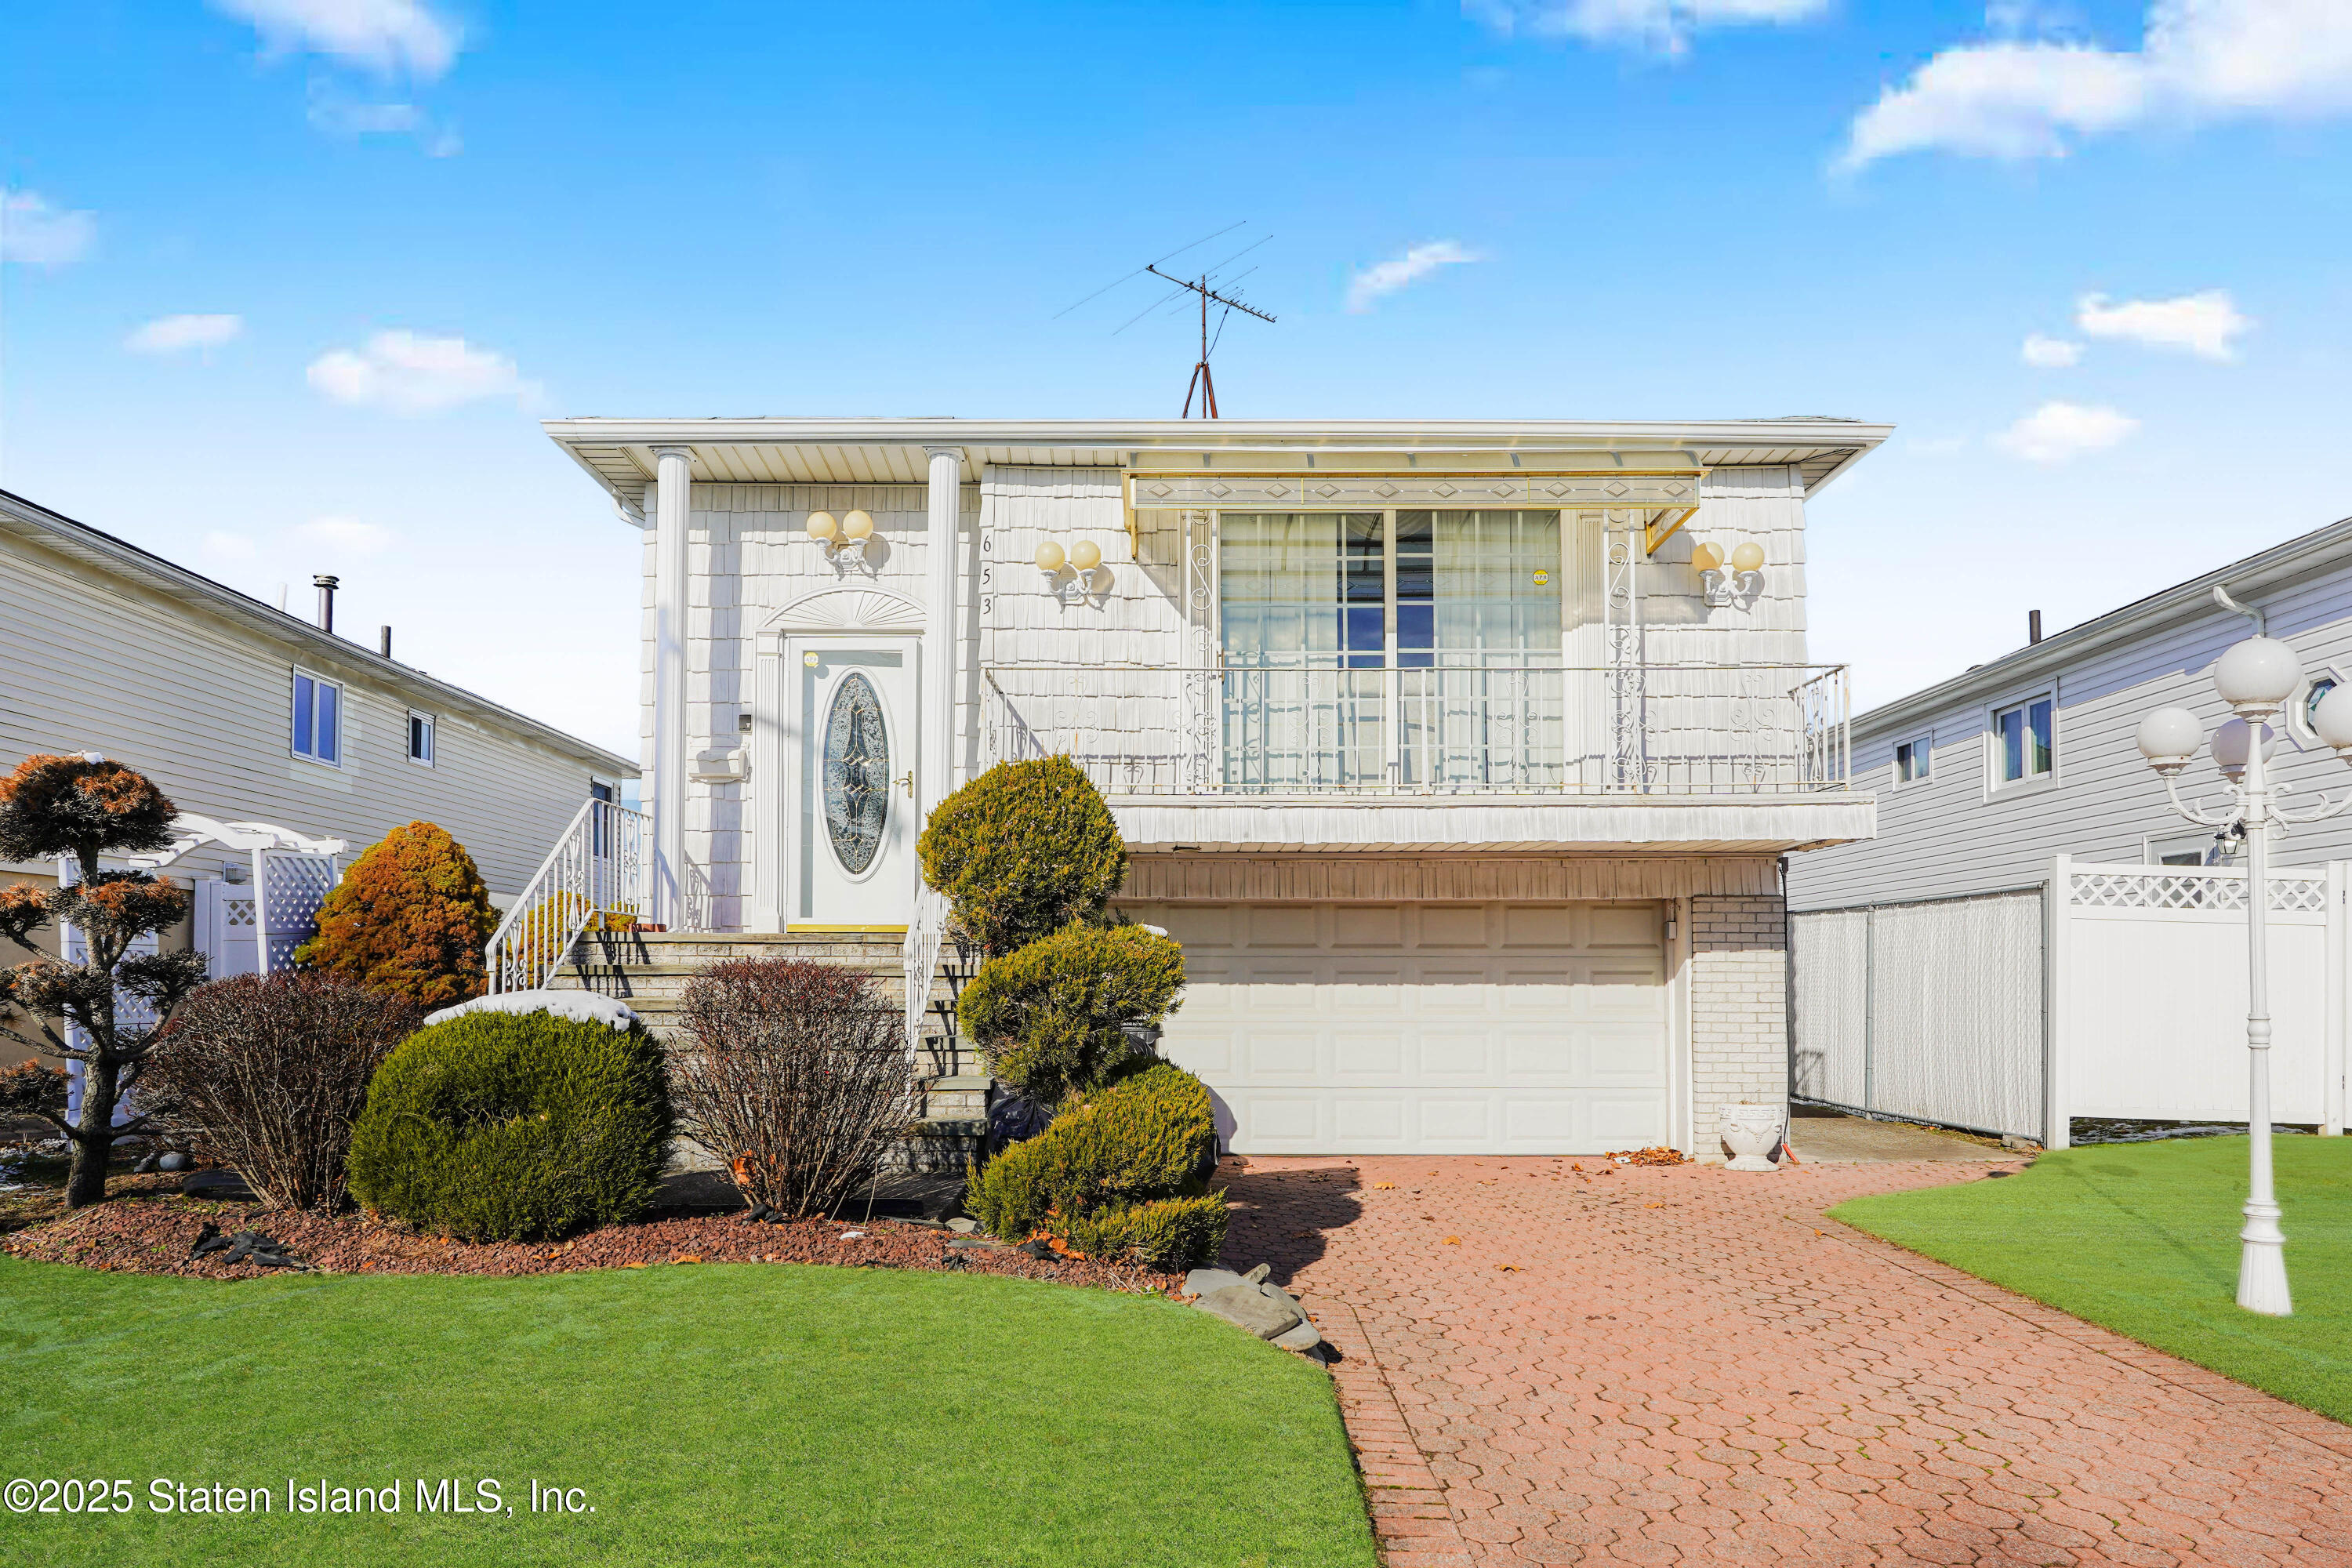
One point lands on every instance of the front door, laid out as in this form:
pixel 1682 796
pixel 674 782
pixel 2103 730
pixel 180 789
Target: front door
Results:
pixel 852 809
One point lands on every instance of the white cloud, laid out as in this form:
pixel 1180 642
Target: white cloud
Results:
pixel 345 533
pixel 389 37
pixel 2206 324
pixel 230 546
pixel 34 232
pixel 2058 431
pixel 338 114
pixel 2197 61
pixel 1666 24
pixel 175 335
pixel 411 374
pixel 1385 277
pixel 2050 353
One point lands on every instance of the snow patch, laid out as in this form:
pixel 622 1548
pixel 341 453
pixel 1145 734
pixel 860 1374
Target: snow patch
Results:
pixel 579 1006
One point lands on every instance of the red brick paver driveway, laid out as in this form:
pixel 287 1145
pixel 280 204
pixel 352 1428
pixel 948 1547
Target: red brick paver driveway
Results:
pixel 1663 1365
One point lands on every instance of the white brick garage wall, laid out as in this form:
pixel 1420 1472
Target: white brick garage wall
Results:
pixel 1738 1009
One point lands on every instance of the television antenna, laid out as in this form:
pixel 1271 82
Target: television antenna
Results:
pixel 1209 288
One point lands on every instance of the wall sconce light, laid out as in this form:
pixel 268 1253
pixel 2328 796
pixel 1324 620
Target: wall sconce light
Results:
pixel 1050 559
pixel 841 539
pixel 1083 561
pixel 1736 582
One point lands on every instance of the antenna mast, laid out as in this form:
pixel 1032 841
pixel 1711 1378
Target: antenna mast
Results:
pixel 1201 383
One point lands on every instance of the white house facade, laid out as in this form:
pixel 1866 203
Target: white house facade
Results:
pixel 242 713
pixel 1463 784
pixel 2035 935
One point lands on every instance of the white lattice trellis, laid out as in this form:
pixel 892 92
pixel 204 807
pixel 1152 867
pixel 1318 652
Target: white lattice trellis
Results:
pixel 2193 888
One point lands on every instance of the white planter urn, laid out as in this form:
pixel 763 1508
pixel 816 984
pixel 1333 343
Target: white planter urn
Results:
pixel 1752 1133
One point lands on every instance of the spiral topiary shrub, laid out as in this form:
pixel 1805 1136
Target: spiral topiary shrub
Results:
pixel 513 1127
pixel 1049 1016
pixel 1123 1175
pixel 1021 851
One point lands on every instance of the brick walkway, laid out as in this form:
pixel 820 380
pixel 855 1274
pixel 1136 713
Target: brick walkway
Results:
pixel 1689 1365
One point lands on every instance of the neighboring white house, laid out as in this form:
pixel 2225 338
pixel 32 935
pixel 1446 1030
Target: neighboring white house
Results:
pixel 1956 968
pixel 1462 787
pixel 243 712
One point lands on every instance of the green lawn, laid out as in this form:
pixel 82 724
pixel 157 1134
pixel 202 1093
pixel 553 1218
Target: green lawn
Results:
pixel 767 1414
pixel 2142 1238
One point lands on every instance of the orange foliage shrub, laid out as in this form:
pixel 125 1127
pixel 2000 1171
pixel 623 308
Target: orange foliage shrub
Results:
pixel 410 918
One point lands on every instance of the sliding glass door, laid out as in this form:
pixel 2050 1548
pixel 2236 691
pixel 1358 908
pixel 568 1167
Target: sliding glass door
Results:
pixel 1416 649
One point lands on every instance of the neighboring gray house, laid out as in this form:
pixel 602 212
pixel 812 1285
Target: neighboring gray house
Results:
pixel 1934 963
pixel 243 712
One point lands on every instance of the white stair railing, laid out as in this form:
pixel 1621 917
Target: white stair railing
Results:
pixel 597 871
pixel 927 933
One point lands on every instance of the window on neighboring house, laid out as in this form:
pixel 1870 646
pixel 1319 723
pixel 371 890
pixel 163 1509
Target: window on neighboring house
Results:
pixel 318 718
pixel 2022 741
pixel 1913 760
pixel 2320 687
pixel 421 728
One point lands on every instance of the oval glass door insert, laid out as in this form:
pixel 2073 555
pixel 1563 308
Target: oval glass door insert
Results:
pixel 856 773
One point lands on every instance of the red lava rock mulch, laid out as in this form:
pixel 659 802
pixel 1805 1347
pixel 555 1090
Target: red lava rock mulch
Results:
pixel 152 1235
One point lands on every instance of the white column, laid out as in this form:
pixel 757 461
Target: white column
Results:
pixel 946 500
pixel 673 470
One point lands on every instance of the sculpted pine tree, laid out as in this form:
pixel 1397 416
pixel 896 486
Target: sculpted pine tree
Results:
pixel 410 918
pixel 84 807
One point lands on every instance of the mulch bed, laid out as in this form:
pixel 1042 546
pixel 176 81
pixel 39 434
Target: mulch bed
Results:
pixel 152 1233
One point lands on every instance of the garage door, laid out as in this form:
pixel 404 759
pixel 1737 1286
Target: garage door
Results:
pixel 1426 1029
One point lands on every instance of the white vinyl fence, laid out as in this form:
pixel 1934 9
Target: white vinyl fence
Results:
pixel 2106 991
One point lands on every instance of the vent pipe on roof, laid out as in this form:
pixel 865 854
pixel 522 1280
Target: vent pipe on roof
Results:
pixel 383 641
pixel 2033 626
pixel 326 584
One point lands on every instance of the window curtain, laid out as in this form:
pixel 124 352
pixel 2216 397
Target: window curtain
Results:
pixel 1491 713
pixel 1292 717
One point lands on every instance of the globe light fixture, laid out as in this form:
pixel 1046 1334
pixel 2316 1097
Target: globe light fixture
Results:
pixel 1748 557
pixel 1735 580
pixel 821 528
pixel 2168 738
pixel 1050 559
pixel 2257 675
pixel 1706 557
pixel 2254 677
pixel 2332 722
pixel 1086 555
pixel 857 527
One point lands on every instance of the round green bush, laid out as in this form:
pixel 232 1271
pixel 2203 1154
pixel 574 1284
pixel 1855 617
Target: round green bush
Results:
pixel 1021 851
pixel 1123 1175
pixel 513 1127
pixel 1048 1015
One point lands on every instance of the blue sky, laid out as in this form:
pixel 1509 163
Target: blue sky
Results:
pixel 288 283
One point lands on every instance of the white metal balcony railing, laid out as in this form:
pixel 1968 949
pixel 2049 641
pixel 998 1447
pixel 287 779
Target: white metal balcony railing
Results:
pixel 598 871
pixel 1520 729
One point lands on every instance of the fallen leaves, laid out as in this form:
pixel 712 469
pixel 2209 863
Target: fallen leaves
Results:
pixel 1453 1241
pixel 1383 1186
pixel 1657 1154
pixel 1507 1267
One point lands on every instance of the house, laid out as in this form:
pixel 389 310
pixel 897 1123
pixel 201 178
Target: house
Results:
pixel 2035 935
pixel 242 713
pixel 1459 755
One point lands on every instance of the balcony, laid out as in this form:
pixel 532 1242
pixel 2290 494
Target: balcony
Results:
pixel 1446 756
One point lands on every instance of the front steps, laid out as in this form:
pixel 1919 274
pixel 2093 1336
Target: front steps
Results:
pixel 650 971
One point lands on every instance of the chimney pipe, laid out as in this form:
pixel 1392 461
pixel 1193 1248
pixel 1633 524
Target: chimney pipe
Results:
pixel 2033 626
pixel 383 641
pixel 326 583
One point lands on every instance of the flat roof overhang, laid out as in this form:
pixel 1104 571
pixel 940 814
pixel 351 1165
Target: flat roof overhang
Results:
pixel 1495 824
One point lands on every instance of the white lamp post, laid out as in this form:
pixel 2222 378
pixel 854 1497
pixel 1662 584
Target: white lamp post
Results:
pixel 2254 677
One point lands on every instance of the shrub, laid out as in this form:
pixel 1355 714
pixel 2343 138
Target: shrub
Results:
pixel 1048 1015
pixel 795 1073
pixel 1099 1176
pixel 268 1074
pixel 1021 851
pixel 513 1127
pixel 410 917
pixel 30 1089
pixel 1170 1233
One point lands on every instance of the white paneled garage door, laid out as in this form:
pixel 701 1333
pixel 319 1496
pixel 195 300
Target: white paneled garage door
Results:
pixel 1498 1028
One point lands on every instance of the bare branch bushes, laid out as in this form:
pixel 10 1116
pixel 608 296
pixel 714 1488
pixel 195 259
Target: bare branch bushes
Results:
pixel 796 1073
